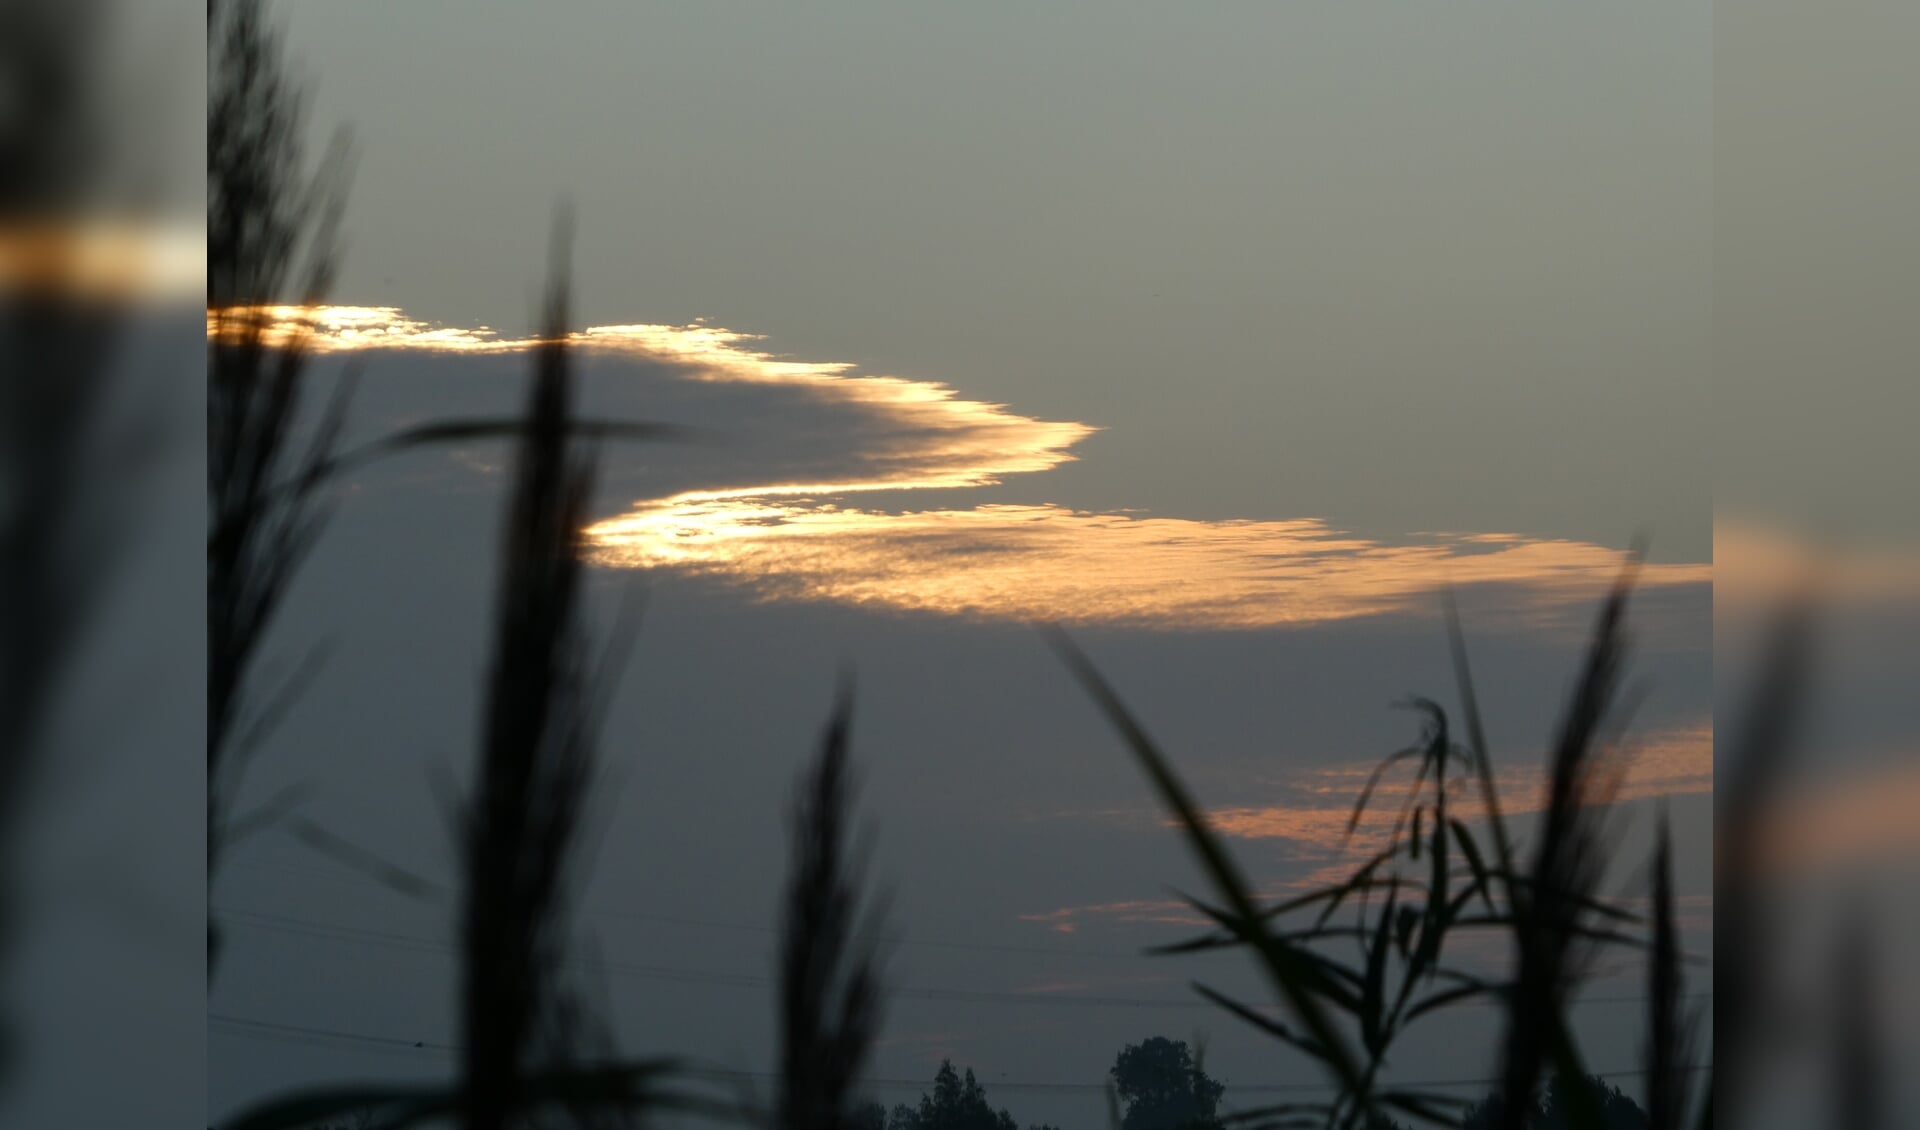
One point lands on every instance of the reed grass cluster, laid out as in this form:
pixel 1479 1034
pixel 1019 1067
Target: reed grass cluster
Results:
pixel 1437 877
pixel 1352 967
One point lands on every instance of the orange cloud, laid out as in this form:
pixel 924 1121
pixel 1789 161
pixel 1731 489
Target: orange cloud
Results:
pixel 1675 762
pixel 1067 919
pixel 800 541
pixel 960 442
pixel 1862 818
pixel 1759 563
pixel 1312 823
pixel 102 257
pixel 1045 562
pixel 1672 762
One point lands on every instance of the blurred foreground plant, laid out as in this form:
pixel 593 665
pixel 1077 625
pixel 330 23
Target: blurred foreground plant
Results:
pixel 830 993
pixel 1435 876
pixel 272 248
pixel 543 701
pixel 79 428
pixel 272 237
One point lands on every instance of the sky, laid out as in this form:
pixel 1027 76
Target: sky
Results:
pixel 1468 250
pixel 1227 343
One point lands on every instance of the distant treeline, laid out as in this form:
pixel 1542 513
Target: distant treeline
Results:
pixel 1159 1084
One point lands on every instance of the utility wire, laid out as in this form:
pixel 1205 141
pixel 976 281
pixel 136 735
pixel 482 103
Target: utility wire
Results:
pixel 442 890
pixel 640 916
pixel 416 943
pixel 301 1033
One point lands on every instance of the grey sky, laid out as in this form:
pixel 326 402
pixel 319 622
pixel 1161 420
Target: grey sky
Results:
pixel 1005 808
pixel 1396 269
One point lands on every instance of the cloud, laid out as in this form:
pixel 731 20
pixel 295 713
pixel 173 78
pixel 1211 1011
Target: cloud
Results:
pixel 1068 919
pixel 1673 762
pixel 116 258
pixel 788 427
pixel 1047 562
pixel 1761 562
pixel 1310 825
pixel 1859 818
pixel 777 515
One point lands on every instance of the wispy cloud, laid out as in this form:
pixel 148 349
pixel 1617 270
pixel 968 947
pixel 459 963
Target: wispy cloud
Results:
pixel 1308 821
pixel 1069 919
pixel 803 538
pixel 1857 818
pixel 1309 811
pixel 118 258
pixel 1045 562
pixel 1314 814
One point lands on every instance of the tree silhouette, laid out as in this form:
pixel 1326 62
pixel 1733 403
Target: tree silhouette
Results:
pixel 958 1102
pixel 1163 1088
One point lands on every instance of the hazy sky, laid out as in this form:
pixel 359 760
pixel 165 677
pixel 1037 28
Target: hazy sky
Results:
pixel 1225 339
pixel 1400 268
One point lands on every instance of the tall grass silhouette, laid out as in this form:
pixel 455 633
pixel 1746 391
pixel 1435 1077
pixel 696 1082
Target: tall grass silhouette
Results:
pixel 541 707
pixel 1353 965
pixel 831 997
pixel 272 237
pixel 1551 908
pixel 536 755
pixel 1435 877
pixel 273 240
pixel 1672 1032
pixel 1746 794
pixel 66 453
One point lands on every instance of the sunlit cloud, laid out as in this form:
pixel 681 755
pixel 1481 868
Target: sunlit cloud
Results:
pixel 347 329
pixel 955 442
pixel 1319 805
pixel 811 537
pixel 1310 824
pixel 1861 818
pixel 102 257
pixel 1759 564
pixel 1046 562
pixel 1083 985
pixel 1673 762
pixel 1161 912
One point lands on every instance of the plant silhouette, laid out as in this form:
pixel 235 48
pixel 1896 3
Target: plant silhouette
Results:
pixel 830 990
pixel 1434 877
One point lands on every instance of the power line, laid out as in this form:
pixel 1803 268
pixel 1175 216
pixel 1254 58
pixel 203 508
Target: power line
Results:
pixel 708 923
pixel 680 974
pixel 301 1033
pixel 684 975
pixel 641 916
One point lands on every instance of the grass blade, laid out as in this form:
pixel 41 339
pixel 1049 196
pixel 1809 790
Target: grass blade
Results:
pixel 1287 973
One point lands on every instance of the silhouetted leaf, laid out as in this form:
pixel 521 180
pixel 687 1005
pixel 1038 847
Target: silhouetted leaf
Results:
pixel 1472 851
pixel 1289 975
pixel 1373 997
